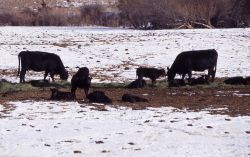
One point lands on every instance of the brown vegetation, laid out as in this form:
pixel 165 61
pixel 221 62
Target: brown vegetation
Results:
pixel 186 13
pixel 139 14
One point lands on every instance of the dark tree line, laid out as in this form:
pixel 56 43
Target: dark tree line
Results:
pixel 158 14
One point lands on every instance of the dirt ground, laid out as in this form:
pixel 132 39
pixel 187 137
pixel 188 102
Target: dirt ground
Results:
pixel 230 100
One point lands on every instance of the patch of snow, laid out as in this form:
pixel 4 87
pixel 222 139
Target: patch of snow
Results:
pixel 64 128
pixel 241 94
pixel 108 51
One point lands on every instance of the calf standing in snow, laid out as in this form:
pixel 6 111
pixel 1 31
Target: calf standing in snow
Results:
pixel 151 73
pixel 81 80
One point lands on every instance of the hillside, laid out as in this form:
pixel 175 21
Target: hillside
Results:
pixel 20 4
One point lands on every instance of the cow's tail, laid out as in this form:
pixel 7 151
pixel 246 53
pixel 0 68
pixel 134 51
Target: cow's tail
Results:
pixel 18 72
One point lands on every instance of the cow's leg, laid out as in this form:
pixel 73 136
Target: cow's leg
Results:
pixel 52 76
pixel 22 76
pixel 45 75
pixel 153 82
pixel 210 72
pixel 189 76
pixel 140 79
pixel 183 76
pixel 86 91
pixel 213 74
pixel 73 90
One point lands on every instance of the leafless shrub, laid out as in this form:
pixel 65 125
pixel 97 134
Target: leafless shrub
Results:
pixel 6 18
pixel 91 13
pixel 146 14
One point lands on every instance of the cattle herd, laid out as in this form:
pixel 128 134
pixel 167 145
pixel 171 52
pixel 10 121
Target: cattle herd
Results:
pixel 184 64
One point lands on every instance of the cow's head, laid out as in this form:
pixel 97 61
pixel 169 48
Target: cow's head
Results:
pixel 64 75
pixel 162 72
pixel 170 74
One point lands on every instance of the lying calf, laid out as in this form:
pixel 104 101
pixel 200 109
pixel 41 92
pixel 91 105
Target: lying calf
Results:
pixel 98 97
pixel 200 80
pixel 132 98
pixel 137 84
pixel 59 95
pixel 177 83
pixel 238 80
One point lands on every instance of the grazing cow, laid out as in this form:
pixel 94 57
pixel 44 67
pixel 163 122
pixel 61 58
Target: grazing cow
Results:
pixel 151 73
pixel 200 80
pixel 132 98
pixel 98 97
pixel 177 83
pixel 189 61
pixel 59 95
pixel 136 84
pixel 81 80
pixel 238 80
pixel 41 61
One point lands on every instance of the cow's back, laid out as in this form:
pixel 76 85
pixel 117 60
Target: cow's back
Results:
pixel 195 60
pixel 39 61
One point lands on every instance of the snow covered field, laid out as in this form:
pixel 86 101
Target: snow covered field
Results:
pixel 71 129
pixel 30 128
pixel 108 51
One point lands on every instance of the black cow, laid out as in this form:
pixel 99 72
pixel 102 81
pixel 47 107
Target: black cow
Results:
pixel 238 80
pixel 136 84
pixel 99 97
pixel 41 61
pixel 132 98
pixel 189 61
pixel 151 73
pixel 59 95
pixel 81 80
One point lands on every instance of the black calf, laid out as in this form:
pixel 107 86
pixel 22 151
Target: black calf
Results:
pixel 81 80
pixel 59 95
pixel 200 80
pixel 137 84
pixel 151 73
pixel 98 97
pixel 132 98
pixel 238 80
pixel 177 83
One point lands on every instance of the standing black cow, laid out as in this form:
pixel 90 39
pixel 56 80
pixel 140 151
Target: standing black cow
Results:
pixel 189 61
pixel 151 73
pixel 41 61
pixel 81 80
